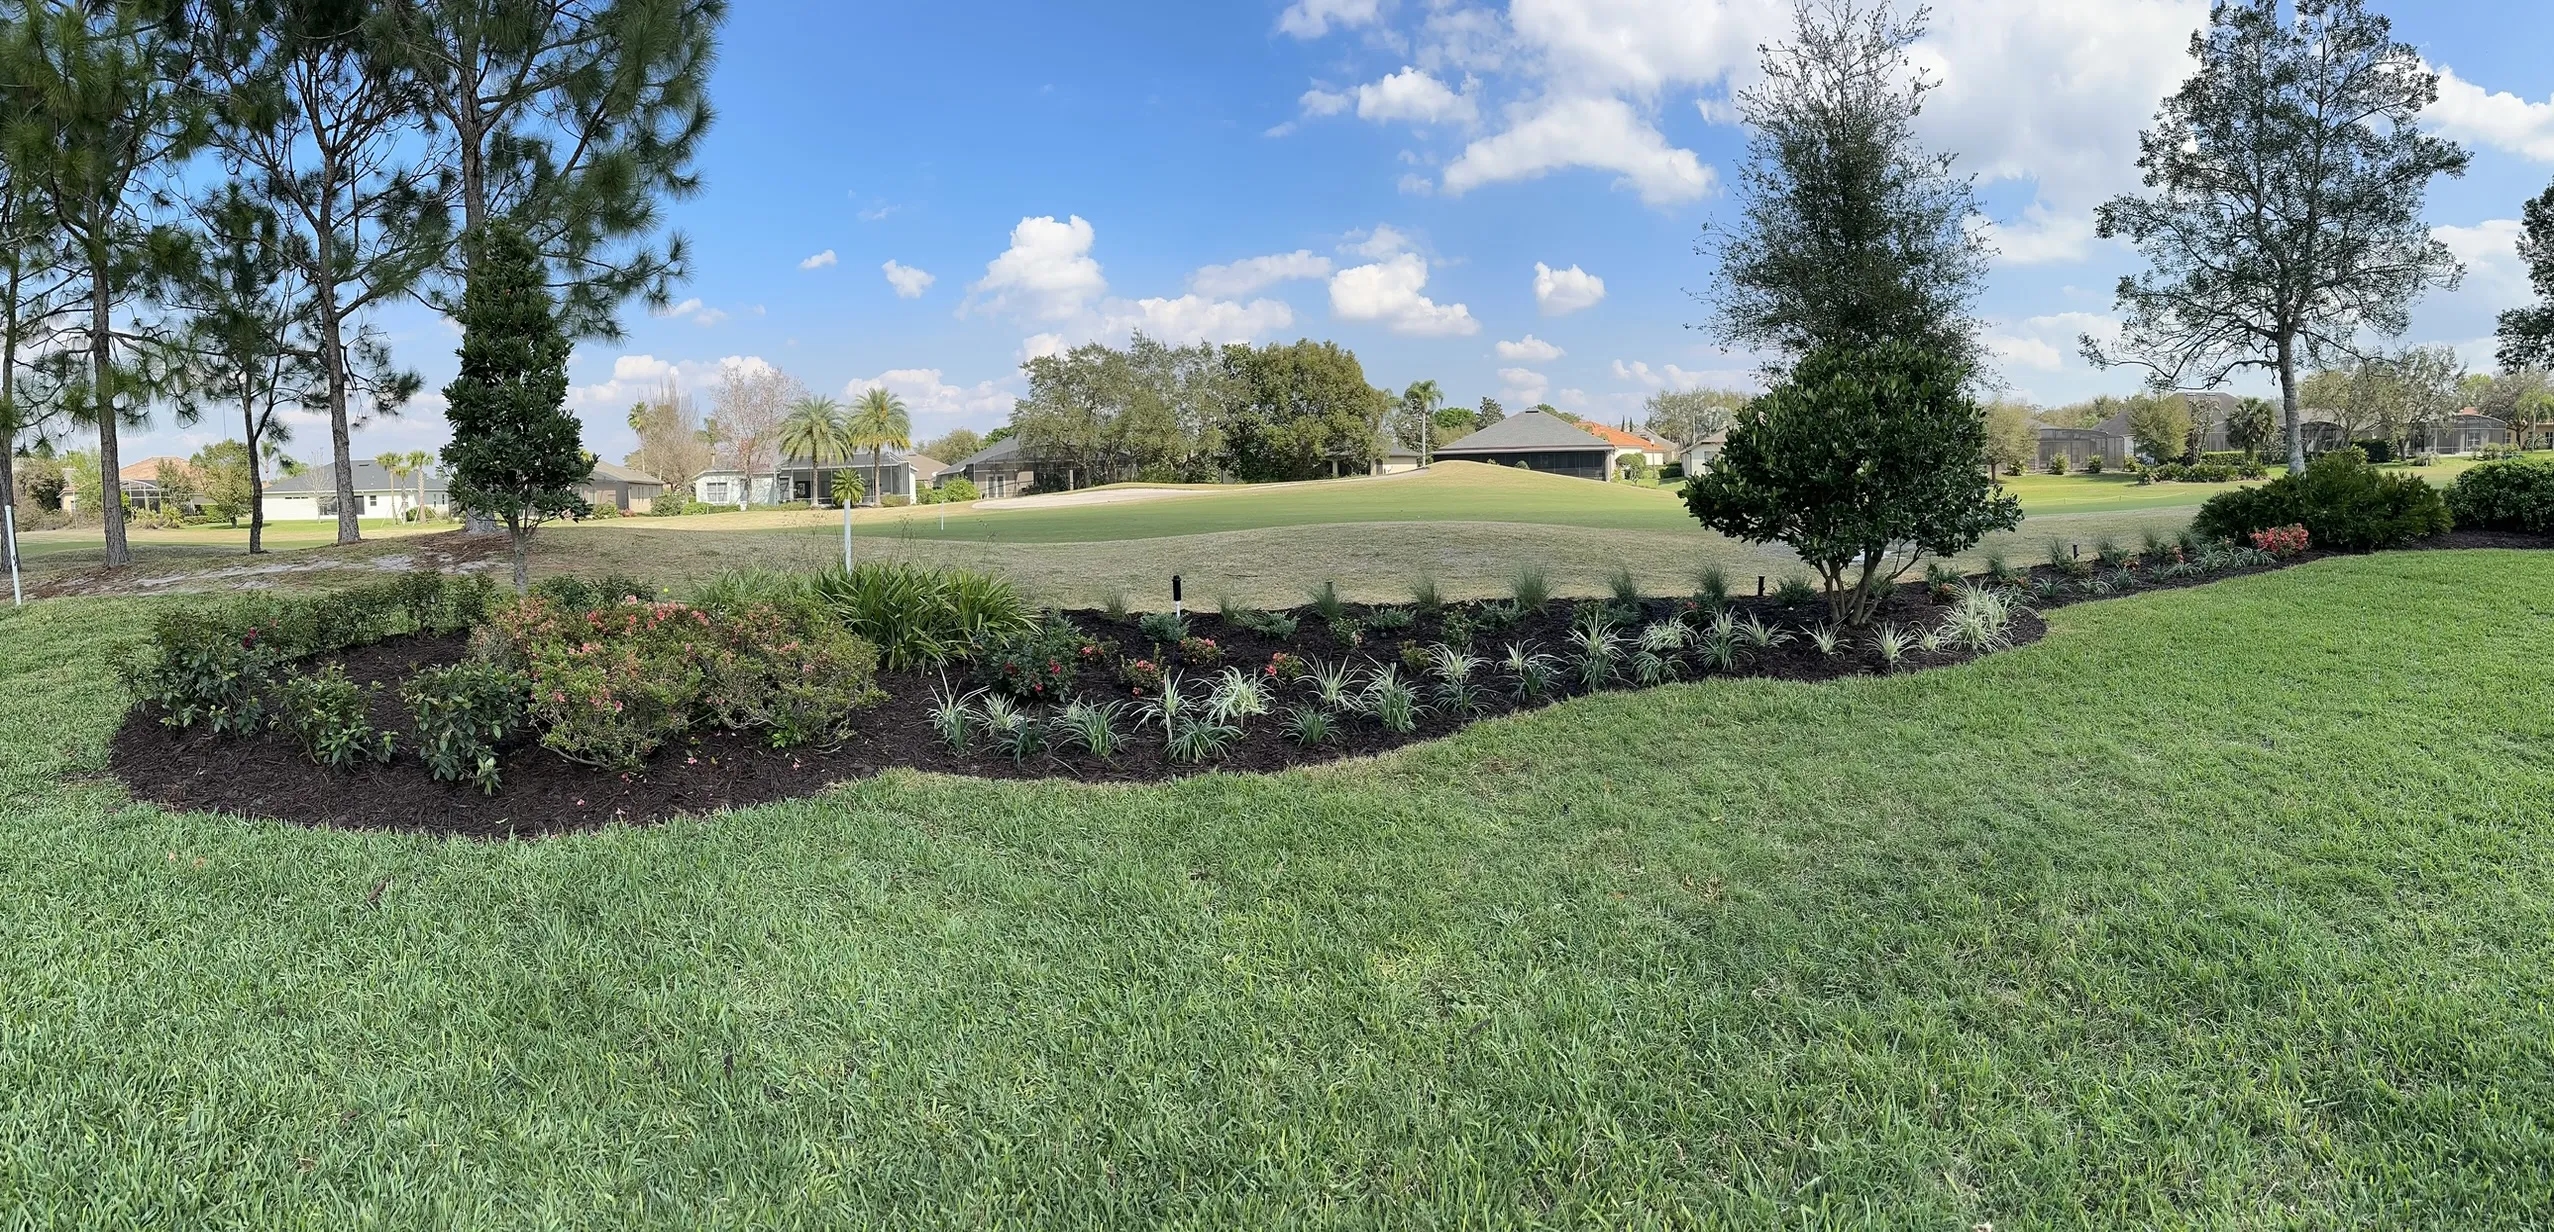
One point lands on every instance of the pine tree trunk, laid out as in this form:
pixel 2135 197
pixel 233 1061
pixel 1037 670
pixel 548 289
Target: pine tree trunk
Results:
pixel 119 552
pixel 256 474
pixel 2288 400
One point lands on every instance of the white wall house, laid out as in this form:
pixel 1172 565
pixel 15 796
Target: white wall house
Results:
pixel 312 495
pixel 900 473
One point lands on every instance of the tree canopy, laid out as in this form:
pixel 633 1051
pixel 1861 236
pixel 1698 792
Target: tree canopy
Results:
pixel 516 453
pixel 2284 221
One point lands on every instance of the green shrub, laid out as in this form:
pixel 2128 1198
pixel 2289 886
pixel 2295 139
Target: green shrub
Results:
pixel 894 500
pixel 580 595
pixel 1795 591
pixel 1391 620
pixel 462 713
pixel 957 490
pixel 917 616
pixel 330 716
pixel 1163 628
pixel 2375 449
pixel 788 672
pixel 1037 663
pixel 2505 495
pixel 2345 503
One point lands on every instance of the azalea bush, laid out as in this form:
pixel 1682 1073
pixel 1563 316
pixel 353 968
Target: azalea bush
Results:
pixel 2282 541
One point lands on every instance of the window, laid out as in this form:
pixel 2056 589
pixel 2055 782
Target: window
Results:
pixel 372 501
pixel 717 492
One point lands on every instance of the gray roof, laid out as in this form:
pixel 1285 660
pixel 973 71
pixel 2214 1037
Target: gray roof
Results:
pixel 605 472
pixel 891 456
pixel 1526 432
pixel 369 477
pixel 1007 447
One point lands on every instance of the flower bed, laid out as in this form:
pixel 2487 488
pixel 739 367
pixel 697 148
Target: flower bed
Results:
pixel 550 717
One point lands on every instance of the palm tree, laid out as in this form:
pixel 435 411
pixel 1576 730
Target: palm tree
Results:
pixel 419 461
pixel 1424 400
pixel 879 423
pixel 815 429
pixel 397 465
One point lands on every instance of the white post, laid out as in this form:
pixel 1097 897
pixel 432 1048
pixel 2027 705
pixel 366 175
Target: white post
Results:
pixel 846 536
pixel 17 593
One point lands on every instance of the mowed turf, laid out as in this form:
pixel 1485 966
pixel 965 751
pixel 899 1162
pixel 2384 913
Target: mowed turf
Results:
pixel 2229 907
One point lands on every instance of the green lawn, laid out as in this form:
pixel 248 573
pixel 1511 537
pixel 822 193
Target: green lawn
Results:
pixel 2229 908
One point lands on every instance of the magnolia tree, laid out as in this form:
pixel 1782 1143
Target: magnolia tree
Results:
pixel 516 453
pixel 1865 461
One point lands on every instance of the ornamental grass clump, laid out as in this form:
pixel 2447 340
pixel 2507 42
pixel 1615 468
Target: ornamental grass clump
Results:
pixel 1531 674
pixel 1237 697
pixel 1089 727
pixel 920 617
pixel 1595 651
pixel 1309 726
pixel 1530 586
pixel 1392 701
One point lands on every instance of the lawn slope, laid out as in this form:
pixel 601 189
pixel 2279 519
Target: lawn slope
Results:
pixel 2225 907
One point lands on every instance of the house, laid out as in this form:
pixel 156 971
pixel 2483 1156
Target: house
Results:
pixel 1629 444
pixel 2463 432
pixel 312 494
pixel 141 484
pixel 1539 442
pixel 998 469
pixel 899 473
pixel 1697 457
pixel 2108 440
pixel 622 488
pixel 1396 459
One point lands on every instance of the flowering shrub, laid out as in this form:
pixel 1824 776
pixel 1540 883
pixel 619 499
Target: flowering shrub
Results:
pixel 1285 668
pixel 1142 675
pixel 1039 663
pixel 1200 652
pixel 609 687
pixel 2281 541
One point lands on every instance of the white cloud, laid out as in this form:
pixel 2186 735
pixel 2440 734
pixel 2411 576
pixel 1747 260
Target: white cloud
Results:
pixel 1388 293
pixel 2490 252
pixel 1042 346
pixel 1414 97
pixel 1311 19
pixel 1669 376
pixel 821 260
pixel 693 310
pixel 1320 103
pixel 1191 319
pixel 909 282
pixel 1377 244
pixel 636 377
pixel 926 394
pixel 1641 46
pixel 1531 349
pixel 2497 118
pixel 2042 236
pixel 1599 133
pixel 1525 385
pixel 1561 292
pixel 1245 276
pixel 1047 274
pixel 2046 343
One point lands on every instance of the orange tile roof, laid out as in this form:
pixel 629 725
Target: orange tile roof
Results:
pixel 1619 438
pixel 147 470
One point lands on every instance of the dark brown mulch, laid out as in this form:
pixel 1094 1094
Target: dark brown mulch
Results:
pixel 267 776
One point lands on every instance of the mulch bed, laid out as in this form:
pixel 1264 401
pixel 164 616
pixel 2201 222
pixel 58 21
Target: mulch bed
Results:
pixel 543 794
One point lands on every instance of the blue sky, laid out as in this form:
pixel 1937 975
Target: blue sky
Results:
pixel 1504 198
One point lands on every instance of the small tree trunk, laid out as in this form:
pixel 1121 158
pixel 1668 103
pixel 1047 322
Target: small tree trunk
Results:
pixel 2288 400
pixel 520 540
pixel 119 552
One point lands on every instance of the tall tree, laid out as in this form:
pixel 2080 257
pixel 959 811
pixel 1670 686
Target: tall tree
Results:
pixel 1849 233
pixel 106 115
pixel 36 289
pixel 2012 440
pixel 247 311
pixel 2285 222
pixel 419 462
pixel 325 123
pixel 672 444
pixel 878 423
pixel 574 120
pixel 2254 424
pixel 2527 333
pixel 753 399
pixel 396 463
pixel 226 473
pixel 1491 412
pixel 1414 419
pixel 1299 410
pixel 516 453
pixel 817 431
pixel 1689 416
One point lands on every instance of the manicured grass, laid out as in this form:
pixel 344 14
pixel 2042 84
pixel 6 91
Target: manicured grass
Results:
pixel 84 546
pixel 2228 907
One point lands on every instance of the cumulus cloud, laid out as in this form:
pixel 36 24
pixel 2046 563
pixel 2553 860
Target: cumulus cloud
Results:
pixel 1414 97
pixel 1602 134
pixel 1562 292
pixel 909 282
pixel 1388 293
pixel 2496 118
pixel 1046 274
pixel 2490 252
pixel 2046 343
pixel 821 260
pixel 1251 274
pixel 1311 19
pixel 1669 376
pixel 927 395
pixel 1525 386
pixel 1042 346
pixel 1530 349
pixel 1192 319
pixel 637 377
pixel 1383 241
pixel 693 310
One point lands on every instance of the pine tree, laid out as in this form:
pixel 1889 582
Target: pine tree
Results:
pixel 516 453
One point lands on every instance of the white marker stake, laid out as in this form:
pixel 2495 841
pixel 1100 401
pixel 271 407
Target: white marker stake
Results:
pixel 846 536
pixel 9 514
